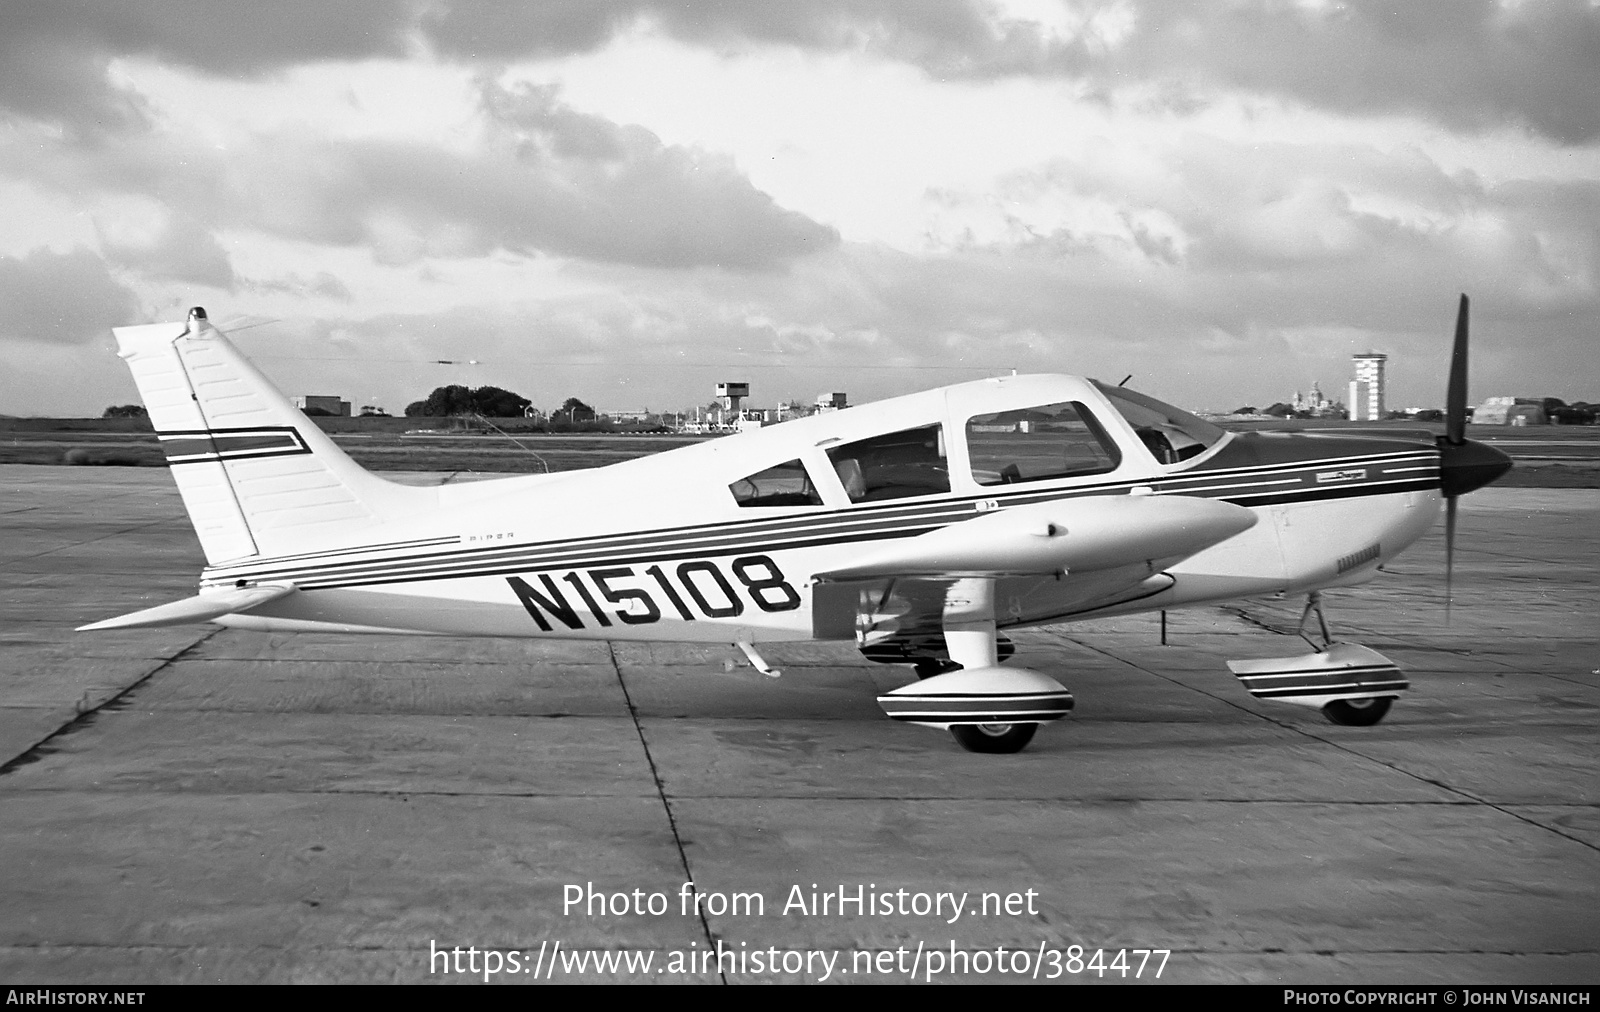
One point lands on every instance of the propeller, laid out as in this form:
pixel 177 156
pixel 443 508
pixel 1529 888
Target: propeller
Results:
pixel 1455 434
pixel 1455 397
pixel 1464 465
pixel 1449 554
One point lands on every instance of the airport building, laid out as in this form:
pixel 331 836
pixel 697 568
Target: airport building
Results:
pixel 1366 398
pixel 731 413
pixel 319 404
pixel 1510 411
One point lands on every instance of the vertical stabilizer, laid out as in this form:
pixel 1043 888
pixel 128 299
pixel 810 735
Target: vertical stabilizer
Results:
pixel 257 476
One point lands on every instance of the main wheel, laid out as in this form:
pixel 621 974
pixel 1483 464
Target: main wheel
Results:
pixel 1358 712
pixel 927 667
pixel 994 739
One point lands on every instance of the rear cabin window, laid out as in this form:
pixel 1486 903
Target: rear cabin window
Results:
pixel 785 484
pixel 893 466
pixel 1031 444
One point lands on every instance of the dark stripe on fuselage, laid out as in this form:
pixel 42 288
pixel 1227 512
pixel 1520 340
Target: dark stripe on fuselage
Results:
pixel 1385 472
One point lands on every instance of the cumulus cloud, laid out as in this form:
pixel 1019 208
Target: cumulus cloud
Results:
pixel 1466 63
pixel 54 55
pixel 1181 275
pixel 322 285
pixel 1470 64
pixel 549 180
pixel 618 193
pixel 935 32
pixel 1177 260
pixel 61 298
pixel 183 250
pixel 1315 215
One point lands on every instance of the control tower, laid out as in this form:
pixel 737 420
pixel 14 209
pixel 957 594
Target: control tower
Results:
pixel 732 396
pixel 1366 398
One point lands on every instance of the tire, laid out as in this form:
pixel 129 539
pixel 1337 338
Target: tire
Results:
pixel 927 667
pixel 1358 712
pixel 994 739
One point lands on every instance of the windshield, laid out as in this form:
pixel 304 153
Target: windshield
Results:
pixel 1171 434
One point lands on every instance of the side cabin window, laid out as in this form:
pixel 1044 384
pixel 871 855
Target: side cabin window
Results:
pixel 893 466
pixel 785 484
pixel 1031 444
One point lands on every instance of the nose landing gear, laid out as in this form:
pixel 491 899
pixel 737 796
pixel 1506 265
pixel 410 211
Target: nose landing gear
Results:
pixel 1351 684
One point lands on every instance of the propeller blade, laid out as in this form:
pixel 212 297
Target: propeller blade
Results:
pixel 1455 412
pixel 1449 554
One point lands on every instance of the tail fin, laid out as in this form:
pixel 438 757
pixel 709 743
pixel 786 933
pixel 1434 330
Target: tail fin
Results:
pixel 257 476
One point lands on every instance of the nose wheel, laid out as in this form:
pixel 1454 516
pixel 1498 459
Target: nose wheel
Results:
pixel 1357 712
pixel 1351 684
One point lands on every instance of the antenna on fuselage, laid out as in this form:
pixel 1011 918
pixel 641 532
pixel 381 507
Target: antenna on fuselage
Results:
pixel 1125 380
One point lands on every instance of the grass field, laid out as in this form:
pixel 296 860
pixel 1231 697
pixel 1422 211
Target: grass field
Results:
pixel 1546 456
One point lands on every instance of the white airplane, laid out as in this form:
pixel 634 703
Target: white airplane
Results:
pixel 919 527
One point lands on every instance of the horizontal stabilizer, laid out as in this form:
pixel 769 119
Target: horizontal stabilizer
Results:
pixel 200 608
pixel 1070 535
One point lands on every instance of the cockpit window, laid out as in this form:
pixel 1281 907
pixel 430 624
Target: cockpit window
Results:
pixel 1170 433
pixel 893 466
pixel 1030 444
pixel 785 484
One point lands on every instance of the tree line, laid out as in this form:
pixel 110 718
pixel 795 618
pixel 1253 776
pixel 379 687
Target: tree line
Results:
pixel 493 402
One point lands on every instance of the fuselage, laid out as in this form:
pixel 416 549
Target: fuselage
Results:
pixel 722 541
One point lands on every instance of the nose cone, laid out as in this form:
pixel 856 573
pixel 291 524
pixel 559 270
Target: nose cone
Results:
pixel 1468 465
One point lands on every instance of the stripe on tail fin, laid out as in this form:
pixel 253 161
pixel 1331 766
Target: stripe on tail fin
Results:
pixel 257 476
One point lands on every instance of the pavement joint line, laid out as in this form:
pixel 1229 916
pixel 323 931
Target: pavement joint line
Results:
pixel 499 714
pixel 103 537
pixel 1514 556
pixel 451 662
pixel 1060 799
pixel 82 718
pixel 666 803
pixel 1350 750
pixel 750 718
pixel 1568 679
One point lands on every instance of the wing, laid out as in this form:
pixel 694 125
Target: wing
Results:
pixel 1106 548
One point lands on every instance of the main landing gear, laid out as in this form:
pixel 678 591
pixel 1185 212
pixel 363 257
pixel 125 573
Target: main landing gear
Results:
pixel 985 707
pixel 928 667
pixel 1351 684
pixel 993 738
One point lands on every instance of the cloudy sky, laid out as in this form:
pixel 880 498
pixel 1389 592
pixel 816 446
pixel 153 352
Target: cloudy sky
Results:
pixel 628 200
